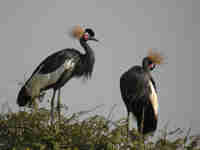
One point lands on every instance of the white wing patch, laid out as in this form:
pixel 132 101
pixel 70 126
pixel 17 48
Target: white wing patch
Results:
pixel 39 81
pixel 154 98
pixel 69 64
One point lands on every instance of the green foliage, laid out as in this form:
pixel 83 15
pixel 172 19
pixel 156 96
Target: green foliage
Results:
pixel 26 130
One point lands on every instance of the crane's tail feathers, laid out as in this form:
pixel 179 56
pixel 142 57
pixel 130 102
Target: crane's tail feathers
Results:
pixel 23 98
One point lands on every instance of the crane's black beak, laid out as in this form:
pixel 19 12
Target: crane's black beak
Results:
pixel 93 39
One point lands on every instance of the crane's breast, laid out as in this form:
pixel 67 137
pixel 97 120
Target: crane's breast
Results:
pixel 153 98
pixel 40 81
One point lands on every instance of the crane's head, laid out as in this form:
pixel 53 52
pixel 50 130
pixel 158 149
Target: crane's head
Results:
pixel 81 34
pixel 152 59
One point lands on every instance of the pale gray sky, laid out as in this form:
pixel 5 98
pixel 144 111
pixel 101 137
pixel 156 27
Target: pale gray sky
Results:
pixel 31 30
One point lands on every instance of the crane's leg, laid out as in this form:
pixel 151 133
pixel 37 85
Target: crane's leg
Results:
pixel 128 123
pixel 58 105
pixel 142 122
pixel 52 106
pixel 34 105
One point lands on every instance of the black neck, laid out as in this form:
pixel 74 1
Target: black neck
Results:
pixel 145 65
pixel 87 48
pixel 88 59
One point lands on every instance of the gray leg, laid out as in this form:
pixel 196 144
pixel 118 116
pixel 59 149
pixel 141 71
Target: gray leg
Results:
pixel 128 122
pixel 52 106
pixel 34 105
pixel 58 104
pixel 142 122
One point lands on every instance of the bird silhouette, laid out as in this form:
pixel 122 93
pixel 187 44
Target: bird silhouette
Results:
pixel 57 69
pixel 139 93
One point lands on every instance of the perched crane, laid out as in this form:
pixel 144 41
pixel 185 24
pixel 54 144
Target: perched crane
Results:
pixel 139 93
pixel 57 69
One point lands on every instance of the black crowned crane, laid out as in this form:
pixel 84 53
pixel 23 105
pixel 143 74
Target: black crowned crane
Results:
pixel 138 91
pixel 57 69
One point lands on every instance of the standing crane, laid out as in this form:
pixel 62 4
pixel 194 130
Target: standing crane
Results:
pixel 57 69
pixel 139 93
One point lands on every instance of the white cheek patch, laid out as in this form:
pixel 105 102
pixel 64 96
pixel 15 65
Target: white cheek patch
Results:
pixel 154 99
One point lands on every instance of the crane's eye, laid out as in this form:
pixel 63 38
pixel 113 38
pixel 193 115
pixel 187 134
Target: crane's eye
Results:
pixel 151 65
pixel 90 32
pixel 86 36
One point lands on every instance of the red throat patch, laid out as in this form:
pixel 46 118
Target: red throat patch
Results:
pixel 151 66
pixel 86 36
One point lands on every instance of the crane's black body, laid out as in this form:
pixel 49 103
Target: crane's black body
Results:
pixel 55 61
pixel 57 69
pixel 136 87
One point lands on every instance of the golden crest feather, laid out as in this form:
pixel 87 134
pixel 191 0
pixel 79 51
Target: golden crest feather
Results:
pixel 77 32
pixel 155 57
